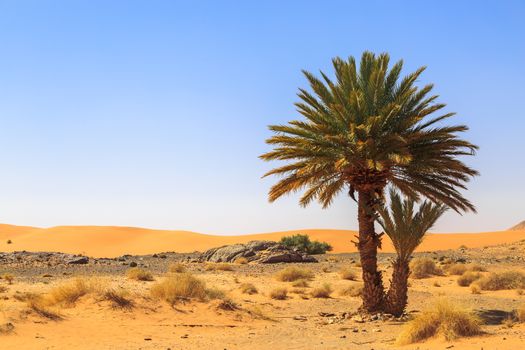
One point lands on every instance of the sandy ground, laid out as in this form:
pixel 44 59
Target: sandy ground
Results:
pixel 299 322
pixel 110 241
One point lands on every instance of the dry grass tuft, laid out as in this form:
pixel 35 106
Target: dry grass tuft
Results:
pixel 248 288
pixel 468 278
pixel 257 313
pixel 474 289
pixel 279 293
pixel 3 289
pixel 177 268
pixel 456 269
pixel 7 328
pixel 119 299
pixel 519 314
pixel 423 268
pixel 348 274
pixel 9 278
pixel 227 304
pixel 183 287
pixel 301 283
pixel 68 293
pixel 353 290
pixel 502 280
pixel 40 307
pixel 139 274
pixel 442 319
pixel 241 261
pixel 322 292
pixel 292 273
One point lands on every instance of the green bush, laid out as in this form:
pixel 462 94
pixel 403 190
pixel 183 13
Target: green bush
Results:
pixel 304 244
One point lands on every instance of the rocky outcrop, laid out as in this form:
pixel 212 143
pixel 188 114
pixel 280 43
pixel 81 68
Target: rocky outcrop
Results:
pixel 263 252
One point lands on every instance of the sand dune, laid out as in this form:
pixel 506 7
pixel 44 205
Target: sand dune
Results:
pixel 111 241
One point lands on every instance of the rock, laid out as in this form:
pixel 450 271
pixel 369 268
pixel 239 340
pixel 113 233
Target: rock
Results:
pixel 358 319
pixel 132 264
pixel 263 252
pixel 76 260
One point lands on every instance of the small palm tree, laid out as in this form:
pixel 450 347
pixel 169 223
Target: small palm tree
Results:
pixel 406 227
pixel 367 129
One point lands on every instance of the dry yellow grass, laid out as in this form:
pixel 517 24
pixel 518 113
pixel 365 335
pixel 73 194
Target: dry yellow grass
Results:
pixel 442 319
pixel 248 288
pixel 353 290
pixel 301 283
pixel 177 268
pixel 293 273
pixel 322 292
pixel 423 268
pixel 468 278
pixel 347 273
pixel 519 314
pixel 139 274
pixel 118 299
pixel 512 279
pixel 474 289
pixel 456 269
pixel 279 293
pixel 182 287
pixel 69 292
pixel 40 307
pixel 9 278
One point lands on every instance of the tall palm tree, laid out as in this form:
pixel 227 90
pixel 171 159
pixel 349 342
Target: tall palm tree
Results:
pixel 406 227
pixel 366 129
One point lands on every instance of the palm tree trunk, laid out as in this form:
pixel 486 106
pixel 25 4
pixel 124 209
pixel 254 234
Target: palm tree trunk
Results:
pixel 396 298
pixel 369 241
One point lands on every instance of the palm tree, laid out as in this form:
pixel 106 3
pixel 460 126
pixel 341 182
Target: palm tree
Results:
pixel 406 227
pixel 366 129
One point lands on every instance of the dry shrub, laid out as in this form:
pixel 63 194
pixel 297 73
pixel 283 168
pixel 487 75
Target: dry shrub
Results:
pixel 118 299
pixel 474 289
pixel 7 328
pixel 279 293
pixel 456 269
pixel 181 287
pixel 241 260
pixel 520 291
pixel 293 273
pixel 248 288
pixel 322 292
pixel 177 268
pixel 257 313
pixel 3 289
pixel 9 278
pixel 40 307
pixel 227 304
pixel 502 280
pixel 436 284
pixel 25 296
pixel 68 293
pixel 468 278
pixel 423 268
pixel 300 283
pixel 353 290
pixel 139 274
pixel 476 267
pixel 442 319
pixel 348 274
pixel 218 267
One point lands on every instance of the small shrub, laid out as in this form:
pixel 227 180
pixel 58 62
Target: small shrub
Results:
pixel 3 289
pixel 257 313
pixel 8 278
pixel 68 293
pixel 227 304
pixel 474 289
pixel 40 308
pixel 519 314
pixel 183 286
pixel 300 283
pixel 423 268
pixel 520 291
pixel 248 288
pixel 304 244
pixel 241 261
pixel 7 328
pixel 436 284
pixel 293 273
pixel 9 241
pixel 354 290
pixel 476 267
pixel 456 269
pixel 177 268
pixel 279 293
pixel 468 278
pixel 118 299
pixel 348 274
pixel 442 319
pixel 322 292
pixel 503 280
pixel 139 274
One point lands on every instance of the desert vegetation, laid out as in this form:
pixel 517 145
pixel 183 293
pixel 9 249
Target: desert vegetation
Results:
pixel 292 273
pixel 304 244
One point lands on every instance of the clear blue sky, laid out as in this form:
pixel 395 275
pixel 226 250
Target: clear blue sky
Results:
pixel 153 113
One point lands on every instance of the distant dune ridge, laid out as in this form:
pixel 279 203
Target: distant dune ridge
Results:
pixel 112 241
pixel 518 227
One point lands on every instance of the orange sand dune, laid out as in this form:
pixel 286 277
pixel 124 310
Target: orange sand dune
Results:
pixel 111 241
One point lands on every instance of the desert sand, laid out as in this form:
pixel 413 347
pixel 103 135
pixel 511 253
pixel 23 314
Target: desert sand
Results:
pixel 112 241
